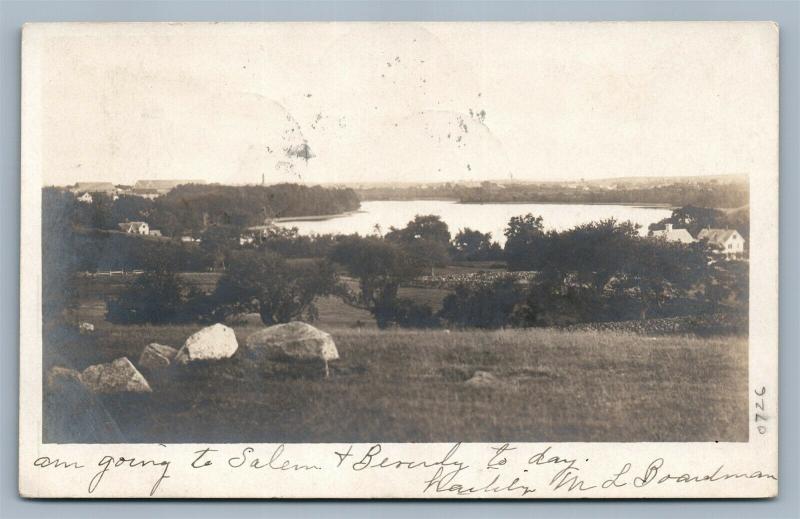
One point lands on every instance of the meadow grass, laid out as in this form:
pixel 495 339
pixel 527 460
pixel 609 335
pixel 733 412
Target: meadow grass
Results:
pixel 409 386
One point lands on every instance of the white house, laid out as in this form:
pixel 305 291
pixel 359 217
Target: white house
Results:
pixel 727 242
pixel 675 235
pixel 135 227
pixel 86 198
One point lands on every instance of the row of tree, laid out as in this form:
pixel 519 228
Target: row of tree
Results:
pixel 192 208
pixel 601 271
pixel 677 194
pixel 703 193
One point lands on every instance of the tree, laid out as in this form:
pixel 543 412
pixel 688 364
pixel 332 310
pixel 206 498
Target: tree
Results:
pixel 594 252
pixel 473 245
pixel 483 305
pixel 423 227
pixel 189 209
pixel 658 272
pixel 129 208
pixel 524 237
pixel 59 260
pixel 153 297
pixel 726 288
pixel 694 219
pixel 263 282
pixel 426 254
pixel 380 266
pixel 425 239
pixel 100 211
pixel 218 240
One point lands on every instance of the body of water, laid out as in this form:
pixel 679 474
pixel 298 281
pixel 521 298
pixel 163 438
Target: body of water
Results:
pixel 483 217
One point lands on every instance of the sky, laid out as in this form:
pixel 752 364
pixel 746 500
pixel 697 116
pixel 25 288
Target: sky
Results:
pixel 418 102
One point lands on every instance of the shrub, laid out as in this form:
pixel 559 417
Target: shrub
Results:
pixel 484 305
pixel 405 313
pixel 153 297
pixel 263 282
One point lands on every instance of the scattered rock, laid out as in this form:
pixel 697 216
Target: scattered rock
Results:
pixel 86 327
pixel 119 376
pixel 295 340
pixel 482 379
pixel 157 356
pixel 455 373
pixel 252 319
pixel 211 343
pixel 59 378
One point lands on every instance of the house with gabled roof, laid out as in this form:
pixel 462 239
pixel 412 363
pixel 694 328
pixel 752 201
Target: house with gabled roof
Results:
pixel 726 242
pixel 673 235
pixel 135 227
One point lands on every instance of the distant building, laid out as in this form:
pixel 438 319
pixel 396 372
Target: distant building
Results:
pixel 156 188
pixel 155 232
pixel 189 239
pixel 135 227
pixel 263 231
pixel 94 187
pixel 86 198
pixel 674 235
pixel 727 242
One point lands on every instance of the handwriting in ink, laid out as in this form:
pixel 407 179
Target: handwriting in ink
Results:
pixel 45 462
pixel 498 460
pixel 109 462
pixel 445 482
pixel 567 477
pixel 652 472
pixel 274 463
pixel 371 460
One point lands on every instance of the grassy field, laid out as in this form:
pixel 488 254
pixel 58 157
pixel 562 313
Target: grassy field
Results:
pixel 409 386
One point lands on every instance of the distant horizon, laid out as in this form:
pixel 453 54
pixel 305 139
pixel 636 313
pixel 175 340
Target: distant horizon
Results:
pixel 678 178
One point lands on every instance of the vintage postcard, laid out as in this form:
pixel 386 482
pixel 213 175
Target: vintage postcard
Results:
pixel 399 260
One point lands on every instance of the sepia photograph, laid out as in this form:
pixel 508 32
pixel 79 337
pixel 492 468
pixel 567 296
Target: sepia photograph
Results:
pixel 401 233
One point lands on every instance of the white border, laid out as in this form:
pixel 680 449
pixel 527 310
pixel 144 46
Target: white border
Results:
pixel 221 480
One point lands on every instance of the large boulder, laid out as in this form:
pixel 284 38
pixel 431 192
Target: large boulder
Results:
pixel 292 341
pixel 157 356
pixel 72 414
pixel 211 343
pixel 119 376
pixel 59 378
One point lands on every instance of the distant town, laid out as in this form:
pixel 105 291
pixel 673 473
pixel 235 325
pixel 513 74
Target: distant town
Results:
pixel 145 188
pixel 723 230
